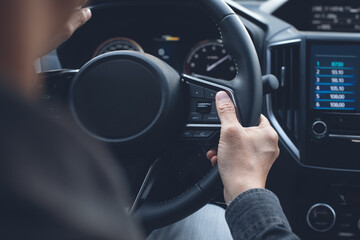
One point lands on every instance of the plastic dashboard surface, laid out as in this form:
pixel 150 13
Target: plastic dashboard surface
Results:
pixel 147 24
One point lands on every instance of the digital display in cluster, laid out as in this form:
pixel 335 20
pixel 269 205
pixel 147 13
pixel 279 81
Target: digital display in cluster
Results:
pixel 334 74
pixel 335 18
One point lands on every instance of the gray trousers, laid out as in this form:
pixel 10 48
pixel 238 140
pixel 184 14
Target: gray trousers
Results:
pixel 206 224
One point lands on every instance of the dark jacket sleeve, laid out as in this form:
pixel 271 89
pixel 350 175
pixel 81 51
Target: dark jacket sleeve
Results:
pixel 257 214
pixel 56 183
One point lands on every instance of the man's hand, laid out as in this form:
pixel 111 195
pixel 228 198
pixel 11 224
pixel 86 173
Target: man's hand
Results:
pixel 245 155
pixel 77 19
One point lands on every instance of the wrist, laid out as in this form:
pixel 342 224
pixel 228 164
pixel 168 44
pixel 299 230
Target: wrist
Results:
pixel 233 190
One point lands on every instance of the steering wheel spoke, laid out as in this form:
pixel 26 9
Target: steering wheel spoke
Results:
pixel 54 86
pixel 146 185
pixel 203 123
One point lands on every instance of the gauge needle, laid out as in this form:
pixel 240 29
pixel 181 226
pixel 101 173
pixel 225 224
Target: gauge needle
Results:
pixel 208 69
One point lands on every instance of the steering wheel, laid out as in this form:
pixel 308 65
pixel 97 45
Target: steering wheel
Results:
pixel 134 101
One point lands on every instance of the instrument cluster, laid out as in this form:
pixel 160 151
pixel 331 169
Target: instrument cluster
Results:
pixel 207 58
pixel 180 35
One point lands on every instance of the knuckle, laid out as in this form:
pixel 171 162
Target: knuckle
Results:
pixel 265 120
pixel 272 135
pixel 68 31
pixel 83 18
pixel 230 130
pixel 276 149
pixel 226 107
pixel 278 152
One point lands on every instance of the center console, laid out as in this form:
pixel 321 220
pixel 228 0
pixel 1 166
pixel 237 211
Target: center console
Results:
pixel 316 112
pixel 333 109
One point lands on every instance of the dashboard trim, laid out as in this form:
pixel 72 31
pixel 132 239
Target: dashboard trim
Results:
pixel 248 14
pixel 217 126
pixel 285 42
pixel 288 143
pixel 351 137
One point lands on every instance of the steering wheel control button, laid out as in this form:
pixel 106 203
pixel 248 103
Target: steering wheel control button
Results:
pixel 195 117
pixel 319 129
pixel 321 217
pixel 197 91
pixel 346 227
pixel 203 107
pixel 203 134
pixel 211 118
pixel 213 108
pixel 210 94
pixel 188 134
pixel 53 85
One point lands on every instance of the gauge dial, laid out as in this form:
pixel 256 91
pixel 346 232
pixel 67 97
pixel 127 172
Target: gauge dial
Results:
pixel 209 58
pixel 118 44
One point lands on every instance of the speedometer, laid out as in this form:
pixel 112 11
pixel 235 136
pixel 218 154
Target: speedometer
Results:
pixel 209 58
pixel 118 44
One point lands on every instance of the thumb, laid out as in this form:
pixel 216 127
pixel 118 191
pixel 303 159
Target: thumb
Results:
pixel 226 108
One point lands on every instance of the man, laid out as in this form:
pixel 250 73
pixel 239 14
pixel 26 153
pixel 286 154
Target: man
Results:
pixel 57 184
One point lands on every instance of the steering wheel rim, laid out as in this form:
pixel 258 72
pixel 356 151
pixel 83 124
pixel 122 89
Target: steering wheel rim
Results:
pixel 246 90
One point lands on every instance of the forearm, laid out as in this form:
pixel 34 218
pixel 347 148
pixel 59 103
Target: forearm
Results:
pixel 257 214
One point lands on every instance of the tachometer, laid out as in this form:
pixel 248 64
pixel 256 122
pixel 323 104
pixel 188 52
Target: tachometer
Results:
pixel 209 58
pixel 118 44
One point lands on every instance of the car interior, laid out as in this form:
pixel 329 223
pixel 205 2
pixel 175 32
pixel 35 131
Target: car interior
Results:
pixel 295 61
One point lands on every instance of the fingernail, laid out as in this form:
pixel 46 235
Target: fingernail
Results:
pixel 222 96
pixel 87 13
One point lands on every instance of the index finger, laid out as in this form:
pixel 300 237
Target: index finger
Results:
pixel 264 122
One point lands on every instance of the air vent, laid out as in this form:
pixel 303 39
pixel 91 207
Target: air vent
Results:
pixel 285 64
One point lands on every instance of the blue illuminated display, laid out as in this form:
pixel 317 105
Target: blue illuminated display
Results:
pixel 335 75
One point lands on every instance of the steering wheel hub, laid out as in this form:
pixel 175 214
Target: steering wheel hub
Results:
pixel 128 98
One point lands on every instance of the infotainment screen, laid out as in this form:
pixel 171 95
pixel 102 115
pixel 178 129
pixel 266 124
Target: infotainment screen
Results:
pixel 335 77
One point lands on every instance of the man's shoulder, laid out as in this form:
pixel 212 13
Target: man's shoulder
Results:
pixel 27 133
pixel 22 123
